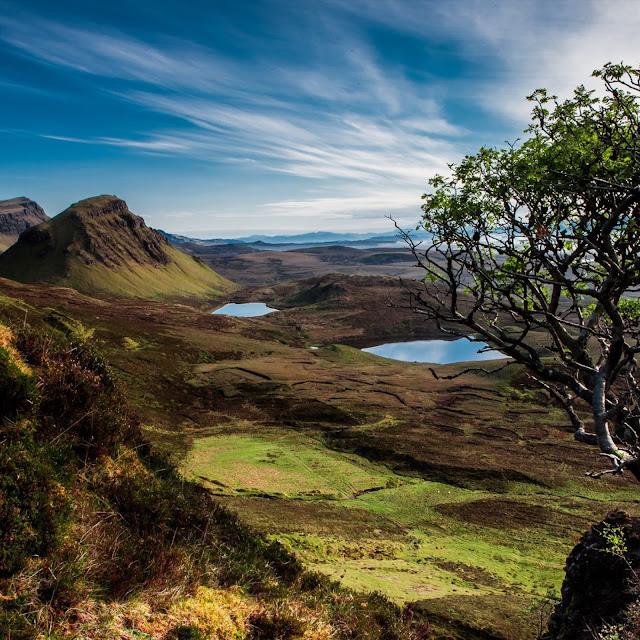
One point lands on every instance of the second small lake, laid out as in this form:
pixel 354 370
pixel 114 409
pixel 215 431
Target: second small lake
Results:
pixel 244 310
pixel 435 351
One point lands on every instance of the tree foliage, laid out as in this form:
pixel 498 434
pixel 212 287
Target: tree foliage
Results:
pixel 536 250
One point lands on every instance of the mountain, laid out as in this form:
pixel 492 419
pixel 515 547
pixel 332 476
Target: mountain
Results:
pixel 314 237
pixel 99 247
pixel 16 216
pixel 289 242
pixel 174 238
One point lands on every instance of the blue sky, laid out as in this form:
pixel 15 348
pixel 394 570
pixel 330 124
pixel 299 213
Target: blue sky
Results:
pixel 221 118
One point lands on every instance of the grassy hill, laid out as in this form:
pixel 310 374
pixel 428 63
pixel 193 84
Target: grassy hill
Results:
pixel 102 539
pixel 99 247
pixel 459 500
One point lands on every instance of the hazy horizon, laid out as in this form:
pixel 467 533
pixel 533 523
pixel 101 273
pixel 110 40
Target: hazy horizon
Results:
pixel 268 117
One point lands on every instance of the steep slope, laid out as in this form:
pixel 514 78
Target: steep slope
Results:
pixel 99 247
pixel 16 216
pixel 102 540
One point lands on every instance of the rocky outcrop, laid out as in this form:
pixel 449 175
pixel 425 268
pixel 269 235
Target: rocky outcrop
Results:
pixel 602 583
pixel 99 207
pixel 108 233
pixel 16 216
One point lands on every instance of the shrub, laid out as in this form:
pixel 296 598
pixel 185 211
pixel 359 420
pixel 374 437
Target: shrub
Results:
pixel 78 397
pixel 32 500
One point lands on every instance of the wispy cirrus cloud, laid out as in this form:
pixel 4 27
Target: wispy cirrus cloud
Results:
pixel 375 203
pixel 369 212
pixel 113 54
pixel 353 104
pixel 365 124
pixel 524 45
pixel 555 46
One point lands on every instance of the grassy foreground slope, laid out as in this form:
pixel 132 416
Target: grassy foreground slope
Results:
pixel 99 247
pixel 101 539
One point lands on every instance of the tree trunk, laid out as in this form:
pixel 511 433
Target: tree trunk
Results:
pixel 600 422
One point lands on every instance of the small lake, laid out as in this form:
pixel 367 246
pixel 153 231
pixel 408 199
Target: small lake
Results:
pixel 244 310
pixel 435 351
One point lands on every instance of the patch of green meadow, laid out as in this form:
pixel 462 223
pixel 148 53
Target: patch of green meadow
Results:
pixel 458 550
pixel 436 554
pixel 282 463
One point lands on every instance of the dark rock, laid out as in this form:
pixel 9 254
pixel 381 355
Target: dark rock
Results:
pixel 92 210
pixel 35 235
pixel 16 216
pixel 601 585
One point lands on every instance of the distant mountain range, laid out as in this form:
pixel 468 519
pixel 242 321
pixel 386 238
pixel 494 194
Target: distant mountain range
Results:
pixel 317 237
pixel 314 239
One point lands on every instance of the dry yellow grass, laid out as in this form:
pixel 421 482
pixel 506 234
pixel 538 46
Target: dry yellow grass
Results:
pixel 6 342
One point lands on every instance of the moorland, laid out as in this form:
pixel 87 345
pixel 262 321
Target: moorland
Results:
pixel 458 500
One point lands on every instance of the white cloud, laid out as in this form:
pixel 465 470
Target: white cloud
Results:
pixel 376 203
pixel 366 131
pixel 551 45
pixel 348 119
pixel 112 54
pixel 523 45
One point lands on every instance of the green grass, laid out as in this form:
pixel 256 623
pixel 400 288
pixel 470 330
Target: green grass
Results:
pixel 283 463
pixel 509 557
pixel 182 277
pixel 295 466
pixel 473 557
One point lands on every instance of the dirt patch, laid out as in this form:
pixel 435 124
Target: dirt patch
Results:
pixel 315 411
pixel 475 575
pixel 496 617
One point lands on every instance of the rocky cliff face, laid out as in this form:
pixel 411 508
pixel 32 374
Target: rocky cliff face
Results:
pixel 602 584
pixel 16 216
pixel 100 230
pixel 107 233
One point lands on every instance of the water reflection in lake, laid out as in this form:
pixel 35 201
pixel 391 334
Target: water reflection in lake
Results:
pixel 435 351
pixel 245 310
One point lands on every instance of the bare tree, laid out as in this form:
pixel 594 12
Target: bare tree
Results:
pixel 536 250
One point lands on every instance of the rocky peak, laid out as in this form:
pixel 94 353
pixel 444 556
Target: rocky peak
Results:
pixel 97 207
pixel 18 214
pixel 107 232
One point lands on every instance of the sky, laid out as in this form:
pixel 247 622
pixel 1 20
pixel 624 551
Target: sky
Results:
pixel 223 118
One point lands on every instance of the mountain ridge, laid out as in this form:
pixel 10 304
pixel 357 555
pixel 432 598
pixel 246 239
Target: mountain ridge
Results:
pixel 312 239
pixel 99 247
pixel 16 216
